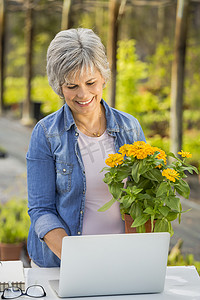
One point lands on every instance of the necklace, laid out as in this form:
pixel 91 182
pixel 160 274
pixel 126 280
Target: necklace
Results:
pixel 97 133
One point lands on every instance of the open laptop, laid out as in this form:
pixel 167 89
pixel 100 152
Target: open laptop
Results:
pixel 112 264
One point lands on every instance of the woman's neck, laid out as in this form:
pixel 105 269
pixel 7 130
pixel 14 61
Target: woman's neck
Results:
pixel 91 124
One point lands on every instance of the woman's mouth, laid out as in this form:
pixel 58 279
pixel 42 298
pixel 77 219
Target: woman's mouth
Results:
pixel 84 103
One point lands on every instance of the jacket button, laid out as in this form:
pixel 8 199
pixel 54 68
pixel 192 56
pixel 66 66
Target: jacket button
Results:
pixel 83 192
pixel 76 134
pixel 78 232
pixel 64 170
pixel 81 212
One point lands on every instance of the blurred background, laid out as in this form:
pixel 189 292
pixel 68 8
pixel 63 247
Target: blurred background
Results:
pixel 153 48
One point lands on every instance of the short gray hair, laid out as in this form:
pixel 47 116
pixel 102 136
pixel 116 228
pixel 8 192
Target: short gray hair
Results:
pixel 75 50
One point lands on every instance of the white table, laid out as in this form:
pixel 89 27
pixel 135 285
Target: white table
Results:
pixel 181 283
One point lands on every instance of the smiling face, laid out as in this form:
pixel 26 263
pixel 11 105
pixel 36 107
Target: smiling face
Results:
pixel 83 93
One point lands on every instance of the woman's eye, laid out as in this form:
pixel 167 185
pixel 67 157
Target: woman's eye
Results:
pixel 90 83
pixel 71 86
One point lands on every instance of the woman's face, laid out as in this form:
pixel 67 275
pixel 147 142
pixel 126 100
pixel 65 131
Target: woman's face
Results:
pixel 83 93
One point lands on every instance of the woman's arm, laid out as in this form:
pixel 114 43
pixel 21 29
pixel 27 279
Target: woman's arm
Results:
pixel 53 239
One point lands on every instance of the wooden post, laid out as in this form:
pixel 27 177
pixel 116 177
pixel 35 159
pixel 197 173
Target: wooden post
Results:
pixel 27 115
pixel 177 79
pixel 160 22
pixel 66 15
pixel 2 47
pixel 114 6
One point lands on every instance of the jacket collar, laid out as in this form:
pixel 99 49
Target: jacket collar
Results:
pixel 112 124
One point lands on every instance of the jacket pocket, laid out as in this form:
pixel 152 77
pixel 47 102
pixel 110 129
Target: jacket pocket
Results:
pixel 63 177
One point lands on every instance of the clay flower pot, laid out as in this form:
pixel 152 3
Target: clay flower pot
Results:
pixel 10 251
pixel 128 222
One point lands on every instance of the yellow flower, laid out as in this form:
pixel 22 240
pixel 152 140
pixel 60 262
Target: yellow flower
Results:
pixel 185 154
pixel 124 149
pixel 162 155
pixel 170 174
pixel 114 159
pixel 140 150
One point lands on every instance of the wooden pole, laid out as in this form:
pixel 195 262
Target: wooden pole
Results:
pixel 2 47
pixel 177 79
pixel 66 14
pixel 27 115
pixel 114 7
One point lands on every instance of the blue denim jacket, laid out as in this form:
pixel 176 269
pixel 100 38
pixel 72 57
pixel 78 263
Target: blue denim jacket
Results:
pixel 56 176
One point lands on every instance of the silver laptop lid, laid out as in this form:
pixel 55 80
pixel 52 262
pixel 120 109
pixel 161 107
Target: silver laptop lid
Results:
pixel 113 264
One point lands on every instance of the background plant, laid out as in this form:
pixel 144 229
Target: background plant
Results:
pixel 14 220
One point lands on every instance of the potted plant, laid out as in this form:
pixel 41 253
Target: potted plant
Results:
pixel 14 228
pixel 150 193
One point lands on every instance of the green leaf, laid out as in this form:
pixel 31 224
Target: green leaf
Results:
pixel 173 203
pixel 105 169
pixel 162 225
pixel 164 210
pixel 172 216
pixel 154 175
pixel 149 211
pixel 135 171
pixel 115 189
pixel 107 205
pixel 163 189
pixel 141 220
pixel 172 155
pixel 182 188
pixel 127 200
pixel 108 178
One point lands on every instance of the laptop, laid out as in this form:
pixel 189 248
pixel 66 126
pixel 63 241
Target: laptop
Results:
pixel 112 264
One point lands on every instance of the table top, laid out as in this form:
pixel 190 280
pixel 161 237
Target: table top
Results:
pixel 181 283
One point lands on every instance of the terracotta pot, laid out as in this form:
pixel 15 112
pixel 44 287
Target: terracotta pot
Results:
pixel 128 222
pixel 10 251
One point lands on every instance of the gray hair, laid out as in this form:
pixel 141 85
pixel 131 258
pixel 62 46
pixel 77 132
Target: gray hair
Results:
pixel 75 50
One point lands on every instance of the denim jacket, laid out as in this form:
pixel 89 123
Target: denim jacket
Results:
pixel 56 175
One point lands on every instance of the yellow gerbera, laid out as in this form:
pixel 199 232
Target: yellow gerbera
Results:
pixel 124 149
pixel 114 159
pixel 140 150
pixel 185 154
pixel 171 174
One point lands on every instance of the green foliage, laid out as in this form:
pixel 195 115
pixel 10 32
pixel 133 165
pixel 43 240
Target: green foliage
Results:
pixel 184 260
pixel 130 73
pixel 16 56
pixel 40 92
pixel 14 221
pixel 143 90
pixel 14 90
pixel 159 71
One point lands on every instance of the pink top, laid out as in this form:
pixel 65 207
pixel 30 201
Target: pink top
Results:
pixel 94 151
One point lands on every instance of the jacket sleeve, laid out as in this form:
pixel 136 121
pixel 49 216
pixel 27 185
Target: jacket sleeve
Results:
pixel 41 184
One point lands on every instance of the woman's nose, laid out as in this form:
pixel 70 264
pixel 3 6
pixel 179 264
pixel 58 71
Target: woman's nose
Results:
pixel 82 92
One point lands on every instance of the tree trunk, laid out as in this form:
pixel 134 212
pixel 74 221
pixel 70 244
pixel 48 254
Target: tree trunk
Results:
pixel 2 47
pixel 177 80
pixel 114 6
pixel 160 23
pixel 66 22
pixel 27 115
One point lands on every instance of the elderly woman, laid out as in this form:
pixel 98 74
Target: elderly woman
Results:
pixel 68 149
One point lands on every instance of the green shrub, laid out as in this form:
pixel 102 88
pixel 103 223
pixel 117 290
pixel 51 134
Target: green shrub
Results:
pixel 40 92
pixel 14 221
